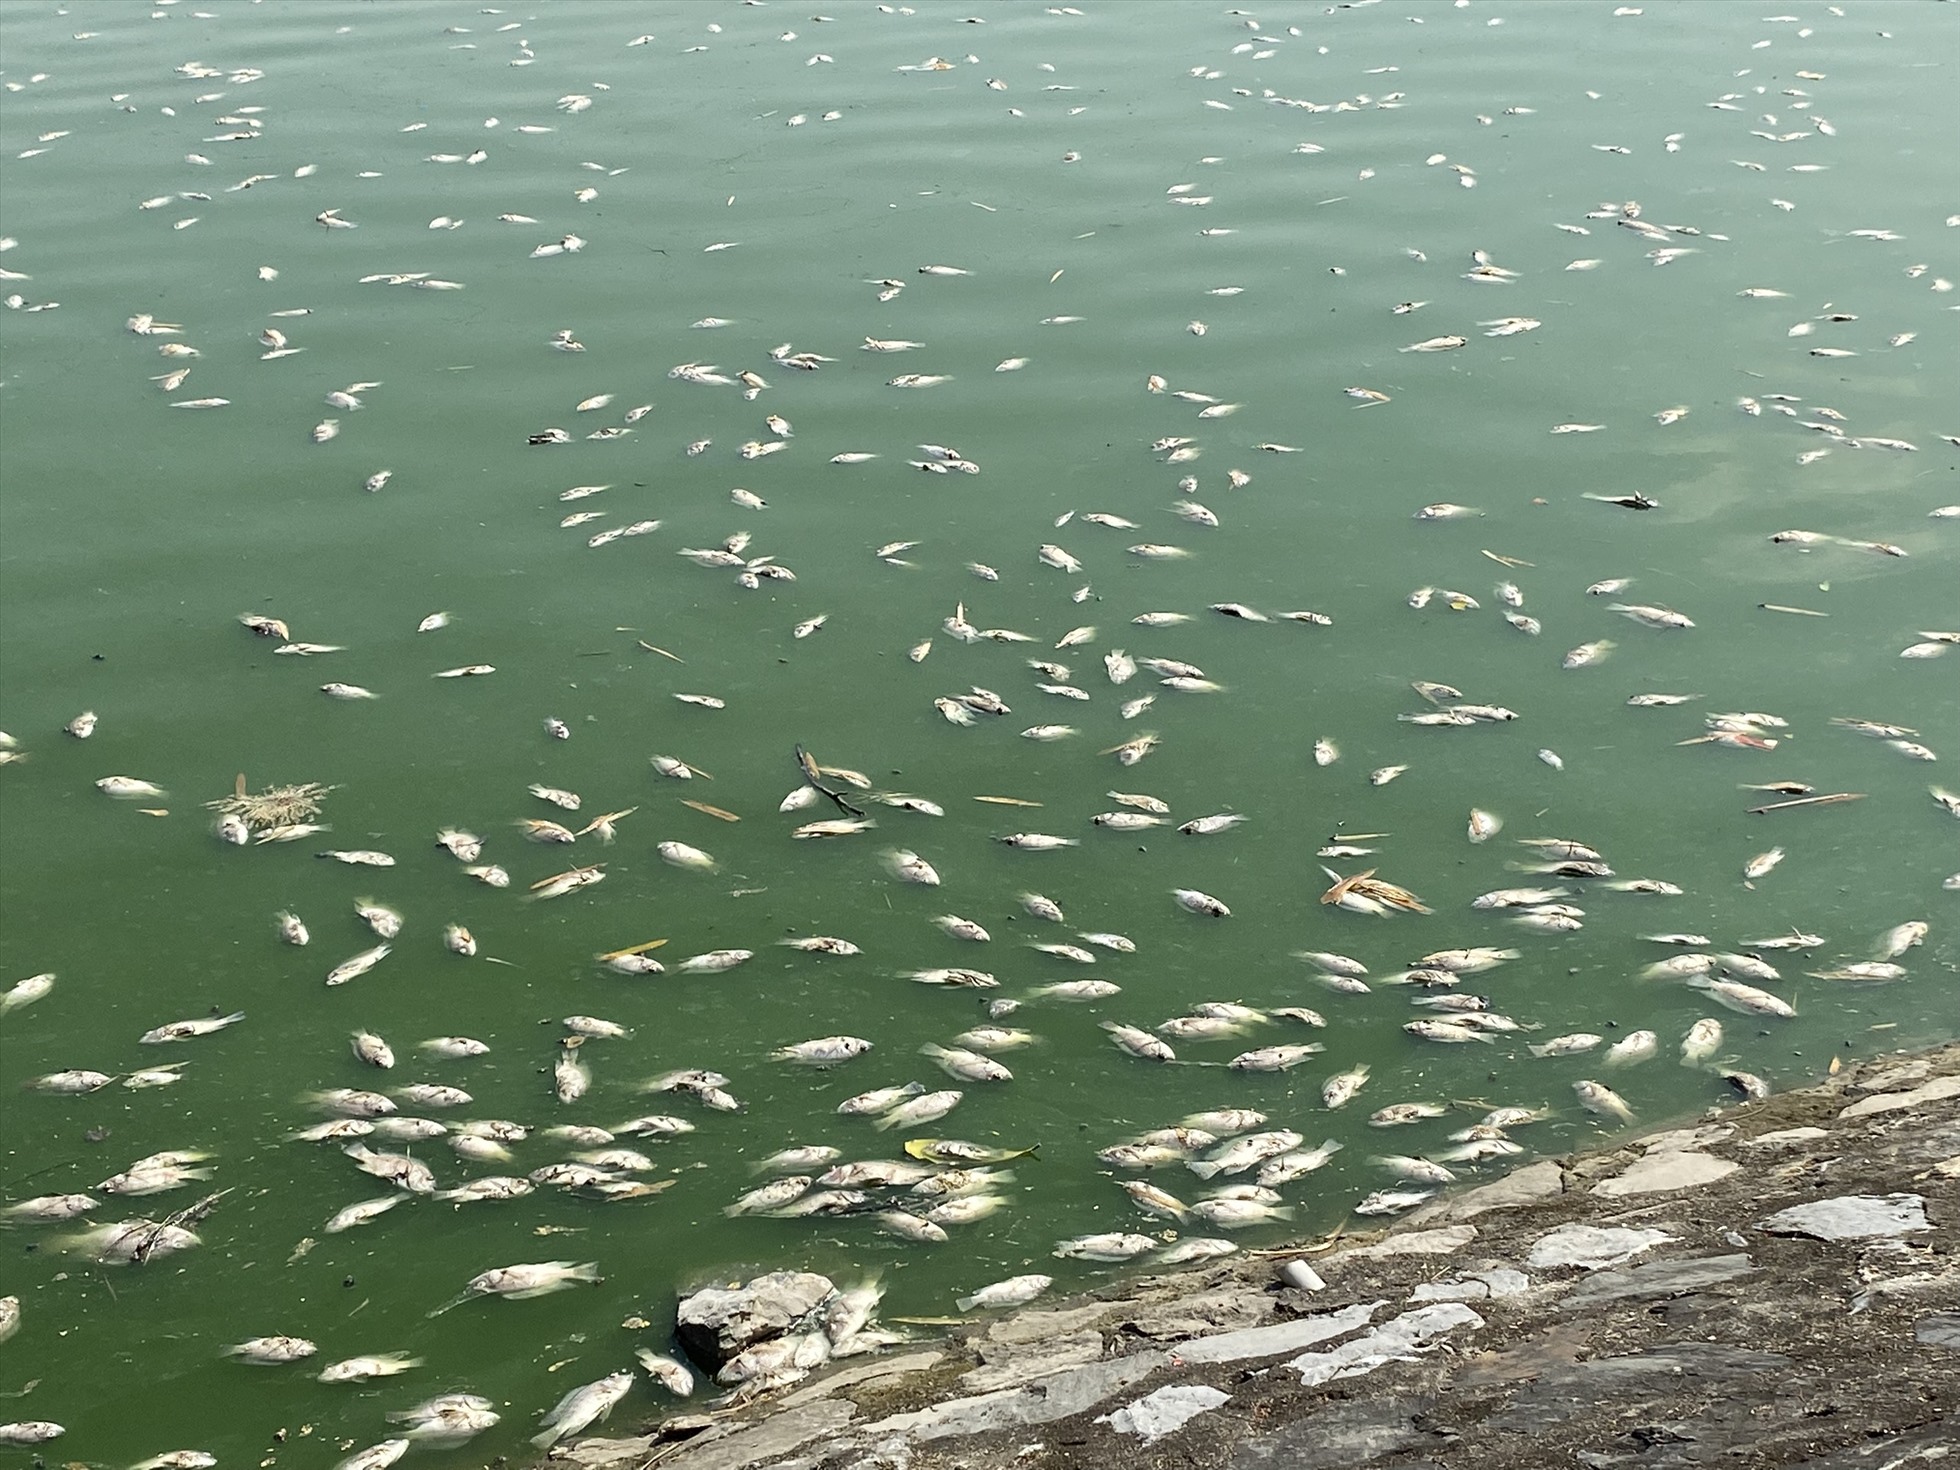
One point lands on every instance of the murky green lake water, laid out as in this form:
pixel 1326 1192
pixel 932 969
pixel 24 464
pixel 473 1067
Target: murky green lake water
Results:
pixel 1100 179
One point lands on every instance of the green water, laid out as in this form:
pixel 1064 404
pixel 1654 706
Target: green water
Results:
pixel 135 533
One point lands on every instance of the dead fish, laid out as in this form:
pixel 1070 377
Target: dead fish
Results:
pixel 1867 970
pixel 1596 1097
pixel 1747 999
pixel 358 965
pixel 1896 941
pixel 128 787
pixel 1760 865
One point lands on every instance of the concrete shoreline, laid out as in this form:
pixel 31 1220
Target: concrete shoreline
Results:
pixel 1775 1284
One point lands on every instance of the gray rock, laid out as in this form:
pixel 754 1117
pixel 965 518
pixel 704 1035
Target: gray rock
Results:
pixel 597 1453
pixel 1886 1102
pixel 867 1372
pixel 1037 1326
pixel 1786 1135
pixel 1891 1079
pixel 1592 1246
pixel 1281 1337
pixel 1038 1403
pixel 1398 1341
pixel 1340 1435
pixel 718 1322
pixel 1164 1412
pixel 1940 1329
pixel 1657 1278
pixel 1005 1365
pixel 1474 1286
pixel 1527 1186
pixel 1205 1312
pixel 1921 1447
pixel 1685 1140
pixel 1563 1390
pixel 765 1442
pixel 1438 1242
pixel 1851 1217
pixel 1665 1169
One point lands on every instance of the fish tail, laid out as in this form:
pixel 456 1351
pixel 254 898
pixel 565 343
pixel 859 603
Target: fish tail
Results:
pixel 965 1303
pixel 1204 1169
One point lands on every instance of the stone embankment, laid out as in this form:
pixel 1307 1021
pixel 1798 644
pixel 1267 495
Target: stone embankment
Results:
pixel 1777 1285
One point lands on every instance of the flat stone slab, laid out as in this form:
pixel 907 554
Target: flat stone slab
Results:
pixel 1474 1286
pixel 1678 1139
pixel 1886 1102
pixel 867 1372
pixel 1560 1391
pixel 1592 1246
pixel 1924 1448
pixel 1196 1316
pixel 1785 1136
pixel 1941 1329
pixel 765 1441
pixel 1004 1365
pixel 1851 1217
pixel 1281 1337
pixel 1035 1326
pixel 1341 1435
pixel 1399 1340
pixel 1527 1186
pixel 597 1451
pixel 1657 1278
pixel 1663 1170
pixel 1895 1077
pixel 1438 1242
pixel 1164 1412
pixel 1052 1398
